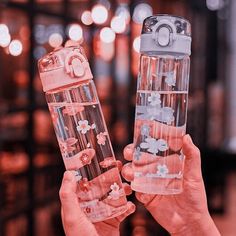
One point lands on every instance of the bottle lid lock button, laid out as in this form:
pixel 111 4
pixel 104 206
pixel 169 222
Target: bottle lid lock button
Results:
pixel 164 32
pixel 163 38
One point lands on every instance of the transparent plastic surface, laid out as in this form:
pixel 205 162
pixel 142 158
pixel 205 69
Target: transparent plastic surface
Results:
pixel 160 123
pixel 86 149
pixel 181 25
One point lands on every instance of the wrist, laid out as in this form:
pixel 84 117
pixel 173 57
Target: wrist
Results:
pixel 205 226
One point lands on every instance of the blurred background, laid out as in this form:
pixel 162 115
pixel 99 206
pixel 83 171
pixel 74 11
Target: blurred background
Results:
pixel 31 167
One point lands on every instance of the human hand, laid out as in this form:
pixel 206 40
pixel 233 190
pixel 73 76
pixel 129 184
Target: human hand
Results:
pixel 74 220
pixel 185 213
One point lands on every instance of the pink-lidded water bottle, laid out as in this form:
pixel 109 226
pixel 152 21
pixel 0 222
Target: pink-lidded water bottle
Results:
pixel 161 105
pixel 81 132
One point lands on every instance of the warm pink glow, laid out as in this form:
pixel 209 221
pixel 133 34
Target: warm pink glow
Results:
pixel 99 14
pixel 86 18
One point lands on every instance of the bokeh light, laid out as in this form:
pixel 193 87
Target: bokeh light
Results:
pixel 4 29
pixel 136 44
pixel 15 47
pixel 86 18
pixel 39 52
pixel 55 40
pixel 141 11
pixel 107 35
pixel 118 24
pixel 5 39
pixel 214 5
pixel 75 32
pixel 123 12
pixel 99 14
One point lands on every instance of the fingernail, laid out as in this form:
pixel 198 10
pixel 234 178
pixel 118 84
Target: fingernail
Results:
pixel 68 176
pixel 129 147
pixel 189 138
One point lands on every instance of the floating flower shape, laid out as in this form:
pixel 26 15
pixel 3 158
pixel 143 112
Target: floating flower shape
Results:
pixel 115 187
pixel 170 78
pixel 101 138
pixel 162 145
pixel 108 161
pixel 154 146
pixel 84 185
pixel 154 99
pixel 67 145
pixel 73 109
pixel 167 115
pixel 85 159
pixel 87 210
pixel 137 154
pixel 162 170
pixel 148 112
pixel 145 130
pixel 84 127
pixel 116 192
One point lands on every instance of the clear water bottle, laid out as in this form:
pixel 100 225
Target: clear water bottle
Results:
pixel 161 105
pixel 81 132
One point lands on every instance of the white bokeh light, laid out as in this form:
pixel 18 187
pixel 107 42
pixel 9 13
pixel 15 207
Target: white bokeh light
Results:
pixel 55 40
pixel 99 14
pixel 142 11
pixel 86 18
pixel 75 32
pixel 5 39
pixel 15 47
pixel 123 12
pixel 136 44
pixel 118 24
pixel 214 5
pixel 107 35
pixel 4 29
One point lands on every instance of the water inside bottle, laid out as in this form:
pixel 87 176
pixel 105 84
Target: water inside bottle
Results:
pixel 86 149
pixel 160 124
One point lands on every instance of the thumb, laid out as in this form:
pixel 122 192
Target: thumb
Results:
pixel 192 169
pixel 130 209
pixel 74 220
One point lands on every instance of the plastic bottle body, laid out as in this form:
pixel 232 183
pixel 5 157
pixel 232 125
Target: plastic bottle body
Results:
pixel 160 123
pixel 86 149
pixel 81 132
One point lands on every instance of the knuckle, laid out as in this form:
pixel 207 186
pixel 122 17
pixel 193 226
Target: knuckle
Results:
pixel 70 221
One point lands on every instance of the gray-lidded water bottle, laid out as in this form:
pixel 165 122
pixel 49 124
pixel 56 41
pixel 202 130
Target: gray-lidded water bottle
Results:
pixel 161 105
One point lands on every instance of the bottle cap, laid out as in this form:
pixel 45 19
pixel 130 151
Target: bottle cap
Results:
pixel 166 34
pixel 64 66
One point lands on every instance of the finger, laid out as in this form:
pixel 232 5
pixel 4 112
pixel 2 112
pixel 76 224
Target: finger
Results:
pixel 192 169
pixel 127 189
pixel 130 209
pixel 128 152
pixel 119 165
pixel 145 199
pixel 127 172
pixel 73 217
